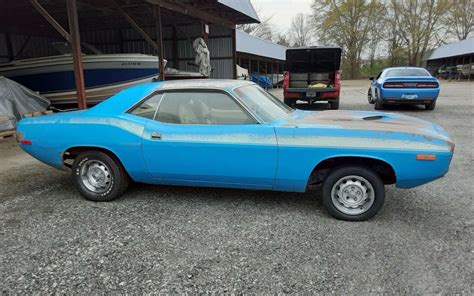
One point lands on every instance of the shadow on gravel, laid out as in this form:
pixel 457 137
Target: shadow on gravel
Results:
pixel 222 196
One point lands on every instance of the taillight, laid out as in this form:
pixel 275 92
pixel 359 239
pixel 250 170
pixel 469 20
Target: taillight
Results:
pixel 338 77
pixel 393 85
pixel 427 85
pixel 286 79
pixel 20 137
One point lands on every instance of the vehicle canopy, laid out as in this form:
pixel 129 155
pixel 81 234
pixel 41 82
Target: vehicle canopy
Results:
pixel 313 59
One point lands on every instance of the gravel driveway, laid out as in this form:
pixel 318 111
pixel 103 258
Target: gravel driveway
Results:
pixel 176 239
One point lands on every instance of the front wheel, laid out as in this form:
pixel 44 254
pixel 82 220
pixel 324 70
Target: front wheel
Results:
pixel 99 177
pixel 353 193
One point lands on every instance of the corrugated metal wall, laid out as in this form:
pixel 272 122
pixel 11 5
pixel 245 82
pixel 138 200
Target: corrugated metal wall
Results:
pixel 30 47
pixel 130 41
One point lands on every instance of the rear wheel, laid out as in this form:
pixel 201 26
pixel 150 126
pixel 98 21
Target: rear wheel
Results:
pixel 378 102
pixel 353 193
pixel 334 105
pixel 430 106
pixel 290 102
pixel 99 177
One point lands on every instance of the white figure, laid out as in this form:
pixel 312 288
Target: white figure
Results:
pixel 203 57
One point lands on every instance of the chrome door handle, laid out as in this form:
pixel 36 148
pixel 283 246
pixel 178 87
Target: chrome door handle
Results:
pixel 156 135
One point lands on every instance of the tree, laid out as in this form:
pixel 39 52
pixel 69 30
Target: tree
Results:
pixel 282 39
pixel 300 31
pixel 460 19
pixel 262 30
pixel 419 24
pixel 396 53
pixel 348 24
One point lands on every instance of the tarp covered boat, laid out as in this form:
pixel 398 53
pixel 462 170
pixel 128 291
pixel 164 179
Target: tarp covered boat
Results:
pixel 16 100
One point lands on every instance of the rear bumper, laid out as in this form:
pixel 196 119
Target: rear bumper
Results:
pixel 311 94
pixel 408 96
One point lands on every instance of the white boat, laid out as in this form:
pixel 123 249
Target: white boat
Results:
pixel 104 74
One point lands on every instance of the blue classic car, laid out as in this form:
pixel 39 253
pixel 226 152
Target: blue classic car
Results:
pixel 230 133
pixel 403 85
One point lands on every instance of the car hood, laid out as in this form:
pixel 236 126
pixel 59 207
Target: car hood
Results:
pixel 364 121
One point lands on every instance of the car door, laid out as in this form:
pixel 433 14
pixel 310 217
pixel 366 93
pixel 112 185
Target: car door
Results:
pixel 207 138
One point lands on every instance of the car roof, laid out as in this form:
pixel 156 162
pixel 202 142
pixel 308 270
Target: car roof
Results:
pixel 399 68
pixel 224 84
pixel 126 98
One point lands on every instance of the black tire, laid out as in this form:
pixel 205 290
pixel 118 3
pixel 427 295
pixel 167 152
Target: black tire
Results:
pixel 290 102
pixel 117 176
pixel 379 105
pixel 371 177
pixel 378 102
pixel 370 98
pixel 430 106
pixel 334 105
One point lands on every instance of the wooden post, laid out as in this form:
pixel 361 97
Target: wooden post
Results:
pixel 76 53
pixel 234 54
pixel 138 29
pixel 175 46
pixel 159 40
pixel 51 20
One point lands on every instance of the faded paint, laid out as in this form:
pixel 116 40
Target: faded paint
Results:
pixel 278 155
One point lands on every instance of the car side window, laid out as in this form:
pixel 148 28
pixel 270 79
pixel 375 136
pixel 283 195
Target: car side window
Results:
pixel 197 107
pixel 378 76
pixel 148 107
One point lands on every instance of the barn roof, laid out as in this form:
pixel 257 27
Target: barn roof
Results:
pixel 459 48
pixel 253 45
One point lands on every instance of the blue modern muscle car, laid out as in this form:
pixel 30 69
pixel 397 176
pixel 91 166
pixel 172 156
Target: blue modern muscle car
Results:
pixel 228 133
pixel 403 85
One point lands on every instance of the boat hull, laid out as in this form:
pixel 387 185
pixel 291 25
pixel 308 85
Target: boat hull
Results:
pixel 104 75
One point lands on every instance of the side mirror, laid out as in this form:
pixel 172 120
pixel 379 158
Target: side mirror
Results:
pixel 371 78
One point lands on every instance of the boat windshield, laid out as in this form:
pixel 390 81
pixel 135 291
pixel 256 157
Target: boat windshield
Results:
pixel 65 48
pixel 263 104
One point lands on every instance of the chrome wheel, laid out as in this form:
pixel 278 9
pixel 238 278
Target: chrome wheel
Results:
pixel 353 195
pixel 96 176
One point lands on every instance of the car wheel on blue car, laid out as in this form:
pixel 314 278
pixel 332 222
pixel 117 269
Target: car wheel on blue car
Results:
pixel 430 106
pixel 99 177
pixel 370 98
pixel 378 104
pixel 353 193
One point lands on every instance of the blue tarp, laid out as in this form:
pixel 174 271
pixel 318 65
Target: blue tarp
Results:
pixel 262 80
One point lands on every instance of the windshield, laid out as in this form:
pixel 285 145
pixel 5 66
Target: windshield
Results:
pixel 407 72
pixel 265 105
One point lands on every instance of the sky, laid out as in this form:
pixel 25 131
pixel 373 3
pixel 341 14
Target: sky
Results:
pixel 282 11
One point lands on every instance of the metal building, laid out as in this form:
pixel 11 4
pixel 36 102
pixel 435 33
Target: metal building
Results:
pixel 260 56
pixel 457 55
pixel 166 28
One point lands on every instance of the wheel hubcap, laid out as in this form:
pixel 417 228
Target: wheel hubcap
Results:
pixel 353 195
pixel 96 176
